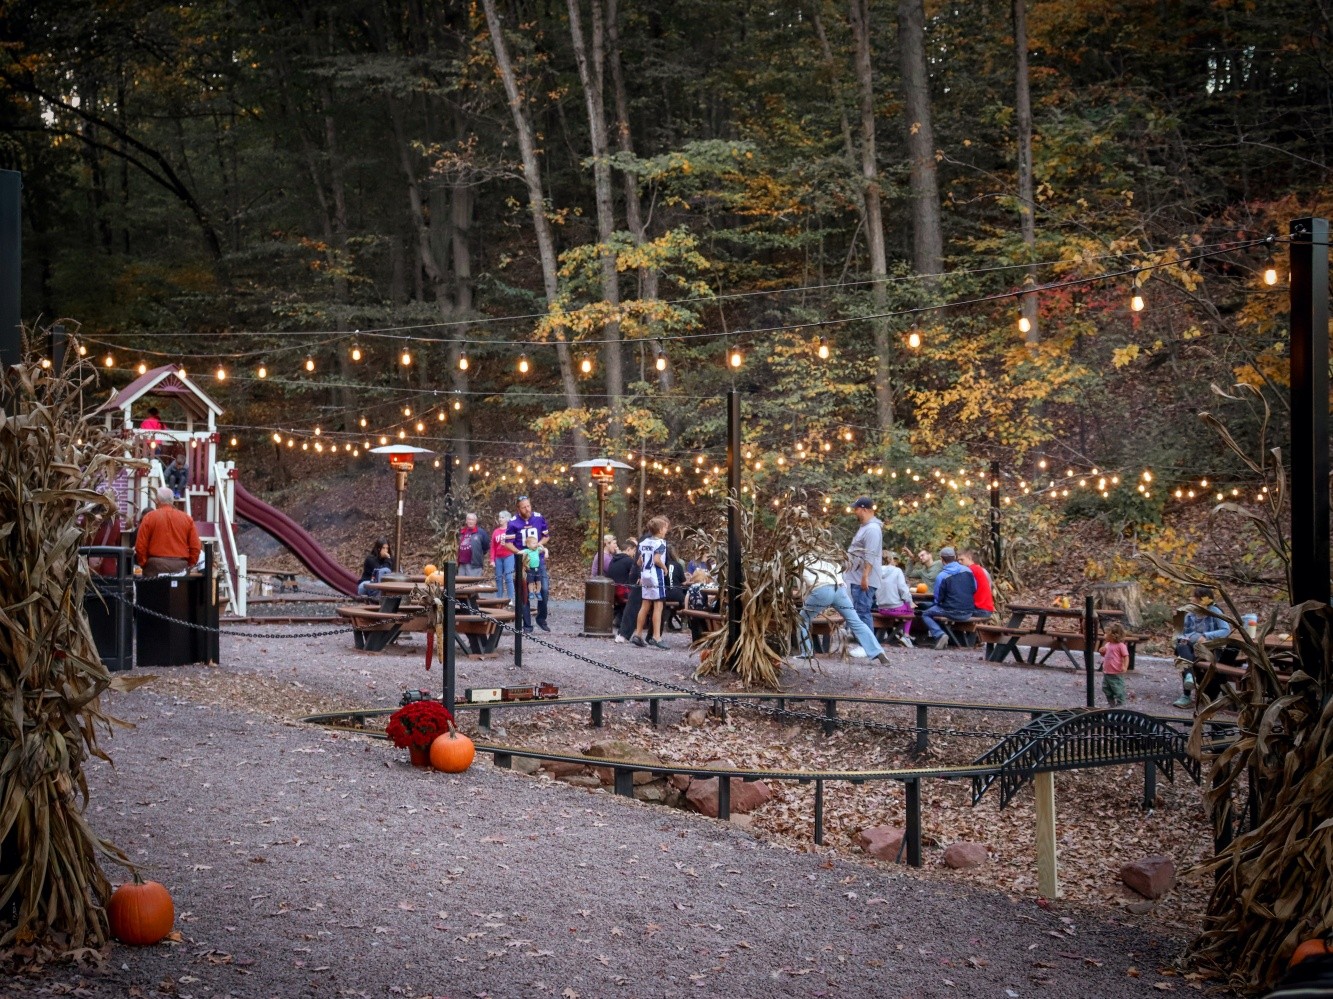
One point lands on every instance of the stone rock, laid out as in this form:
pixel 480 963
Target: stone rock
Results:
pixel 1151 877
pixel 881 842
pixel 964 856
pixel 624 751
pixel 525 764
pixel 681 782
pixel 656 791
pixel 743 821
pixel 702 796
pixel 581 780
pixel 1142 907
pixel 696 717
pixel 561 768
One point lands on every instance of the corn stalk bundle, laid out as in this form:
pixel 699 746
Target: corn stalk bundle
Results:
pixel 1270 791
pixel 775 554
pixel 52 888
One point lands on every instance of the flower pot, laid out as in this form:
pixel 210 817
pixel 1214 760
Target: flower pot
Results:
pixel 420 757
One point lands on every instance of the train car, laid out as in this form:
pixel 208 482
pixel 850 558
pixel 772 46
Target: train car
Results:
pixel 547 691
pixel 518 692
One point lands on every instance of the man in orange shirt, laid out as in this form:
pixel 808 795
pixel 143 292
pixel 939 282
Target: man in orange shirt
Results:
pixel 167 541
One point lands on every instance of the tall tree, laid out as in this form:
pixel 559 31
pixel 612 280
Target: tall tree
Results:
pixel 1026 197
pixel 859 19
pixel 541 225
pixel 927 232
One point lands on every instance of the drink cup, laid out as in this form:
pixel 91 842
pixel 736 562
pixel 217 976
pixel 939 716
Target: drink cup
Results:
pixel 1251 623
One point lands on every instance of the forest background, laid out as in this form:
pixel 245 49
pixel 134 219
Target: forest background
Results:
pixel 569 215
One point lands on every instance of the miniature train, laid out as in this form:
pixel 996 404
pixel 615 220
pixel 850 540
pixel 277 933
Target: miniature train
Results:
pixel 492 695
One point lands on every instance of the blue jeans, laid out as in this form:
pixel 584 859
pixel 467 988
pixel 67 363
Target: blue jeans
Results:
pixel 864 603
pixel 504 576
pixel 929 615
pixel 822 597
pixel 541 601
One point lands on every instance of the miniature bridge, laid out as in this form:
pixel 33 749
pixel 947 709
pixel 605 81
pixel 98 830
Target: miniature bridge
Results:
pixel 1079 739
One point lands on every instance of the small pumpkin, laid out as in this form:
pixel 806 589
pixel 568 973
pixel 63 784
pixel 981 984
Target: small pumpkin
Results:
pixel 428 570
pixel 922 588
pixel 436 578
pixel 140 913
pixel 452 752
pixel 1308 949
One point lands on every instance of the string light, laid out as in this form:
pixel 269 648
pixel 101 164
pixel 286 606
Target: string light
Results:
pixel 1270 274
pixel 462 362
pixel 1024 324
pixel 407 410
pixel 277 437
pixel 586 365
pixel 355 351
pixel 660 361
pixel 1136 302
pixel 823 349
pixel 914 339
pixel 362 421
pixel 421 427
pixel 83 351
pixel 46 362
pixel 263 371
pixel 405 359
pixel 233 442
pixel 109 361
pixel 441 416
pixel 142 368
pixel 735 358
pixel 523 366
pixel 309 363
pixel 221 373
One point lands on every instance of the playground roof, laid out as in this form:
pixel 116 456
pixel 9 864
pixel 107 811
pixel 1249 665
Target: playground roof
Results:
pixel 168 380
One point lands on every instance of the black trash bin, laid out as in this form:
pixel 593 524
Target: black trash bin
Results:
pixel 176 619
pixel 108 603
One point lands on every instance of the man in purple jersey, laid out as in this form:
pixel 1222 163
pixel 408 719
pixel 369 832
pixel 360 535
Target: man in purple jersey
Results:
pixel 524 525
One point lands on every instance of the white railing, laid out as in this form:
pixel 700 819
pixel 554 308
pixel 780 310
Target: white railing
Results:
pixel 234 563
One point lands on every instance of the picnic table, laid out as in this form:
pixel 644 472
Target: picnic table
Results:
pixel 1231 664
pixel 474 632
pixel 1003 641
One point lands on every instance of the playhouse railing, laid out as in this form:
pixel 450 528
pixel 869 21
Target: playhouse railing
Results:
pixel 233 562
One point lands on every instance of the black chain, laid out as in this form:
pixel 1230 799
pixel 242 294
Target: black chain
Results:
pixel 140 609
pixel 862 723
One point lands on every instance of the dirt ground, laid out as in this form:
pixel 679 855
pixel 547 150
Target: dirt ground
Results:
pixel 317 863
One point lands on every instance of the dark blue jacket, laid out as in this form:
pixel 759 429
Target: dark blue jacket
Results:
pixel 955 592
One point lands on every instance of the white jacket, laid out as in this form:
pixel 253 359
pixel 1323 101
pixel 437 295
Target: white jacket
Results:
pixel 893 589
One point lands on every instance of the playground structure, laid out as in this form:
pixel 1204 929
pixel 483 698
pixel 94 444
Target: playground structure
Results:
pixel 212 496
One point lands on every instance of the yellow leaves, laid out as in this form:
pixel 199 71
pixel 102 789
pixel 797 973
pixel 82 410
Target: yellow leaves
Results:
pixel 915 127
pixel 1125 355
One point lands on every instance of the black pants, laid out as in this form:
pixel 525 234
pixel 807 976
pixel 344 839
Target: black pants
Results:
pixel 630 615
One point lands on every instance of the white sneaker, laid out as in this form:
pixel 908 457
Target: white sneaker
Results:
pixel 620 639
pixel 856 652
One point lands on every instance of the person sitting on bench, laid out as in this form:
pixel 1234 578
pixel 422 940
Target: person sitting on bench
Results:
pixel 895 600
pixel 955 593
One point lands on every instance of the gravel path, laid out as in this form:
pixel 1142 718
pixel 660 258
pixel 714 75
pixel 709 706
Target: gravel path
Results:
pixel 306 862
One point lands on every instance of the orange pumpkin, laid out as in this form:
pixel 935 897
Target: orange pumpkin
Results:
pixel 922 588
pixel 140 913
pixel 428 570
pixel 1307 949
pixel 452 752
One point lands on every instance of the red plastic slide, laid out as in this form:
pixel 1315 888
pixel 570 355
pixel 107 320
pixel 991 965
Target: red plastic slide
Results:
pixel 296 539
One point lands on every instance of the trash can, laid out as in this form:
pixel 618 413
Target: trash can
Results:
pixel 108 602
pixel 177 619
pixel 599 608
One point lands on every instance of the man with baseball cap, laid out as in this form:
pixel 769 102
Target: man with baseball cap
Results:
pixel 955 594
pixel 864 556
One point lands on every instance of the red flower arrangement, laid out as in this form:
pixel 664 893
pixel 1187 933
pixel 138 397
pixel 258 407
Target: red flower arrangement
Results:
pixel 416 725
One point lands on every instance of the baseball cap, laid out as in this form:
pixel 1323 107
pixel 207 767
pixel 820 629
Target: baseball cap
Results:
pixel 948 552
pixel 864 503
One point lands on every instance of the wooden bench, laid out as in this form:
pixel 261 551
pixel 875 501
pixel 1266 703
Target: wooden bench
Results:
pixel 373 630
pixel 1001 642
pixel 699 621
pixel 282 580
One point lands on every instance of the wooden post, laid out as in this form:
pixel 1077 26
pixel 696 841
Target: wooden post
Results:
pixel 1048 880
pixel 1308 461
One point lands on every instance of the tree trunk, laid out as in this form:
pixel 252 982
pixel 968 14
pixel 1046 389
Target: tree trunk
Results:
pixel 537 206
pixel 1026 202
pixel 859 18
pixel 592 76
pixel 927 233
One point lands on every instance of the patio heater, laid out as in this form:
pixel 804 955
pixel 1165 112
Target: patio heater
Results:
pixel 401 459
pixel 599 592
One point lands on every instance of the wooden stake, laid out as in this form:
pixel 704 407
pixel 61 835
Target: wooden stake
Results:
pixel 1048 880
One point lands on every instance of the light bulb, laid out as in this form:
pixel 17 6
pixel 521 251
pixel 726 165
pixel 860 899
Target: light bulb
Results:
pixel 523 366
pixel 309 363
pixel 291 442
pixel 1136 303
pixel 402 435
pixel 263 371
pixel 1024 324
pixel 356 352
pixel 362 421
pixel 405 359
pixel 914 339
pixel 441 416
pixel 109 361
pixel 734 358
pixel 46 362
pixel 142 368
pixel 83 351
pixel 318 431
pixel 221 373
pixel 383 441
pixel 462 362
pixel 420 426
pixel 823 349
pixel 660 363
pixel 457 405
pixel 277 438
pixel 407 410
pixel 586 365
pixel 1270 275
pixel 180 373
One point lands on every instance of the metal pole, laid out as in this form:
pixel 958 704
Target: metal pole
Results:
pixel 733 527
pixel 520 599
pixel 450 677
pixel 1089 648
pixel 401 481
pixel 601 500
pixel 996 547
pixel 11 270
pixel 1309 411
